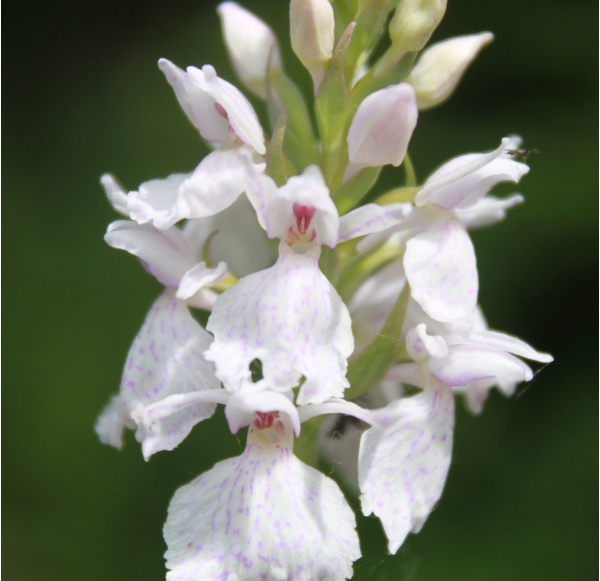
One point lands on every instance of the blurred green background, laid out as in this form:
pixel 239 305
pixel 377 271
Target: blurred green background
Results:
pixel 83 95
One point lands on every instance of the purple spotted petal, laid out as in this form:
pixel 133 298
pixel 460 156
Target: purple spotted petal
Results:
pixel 402 468
pixel 290 318
pixel 263 515
pixel 441 270
pixel 166 358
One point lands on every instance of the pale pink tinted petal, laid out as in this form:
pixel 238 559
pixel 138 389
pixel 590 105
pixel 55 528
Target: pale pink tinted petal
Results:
pixel 264 515
pixel 215 184
pixel 290 318
pixel 193 96
pixel 402 468
pixel 510 344
pixel 239 111
pixel 166 358
pixel 467 363
pixel 464 180
pixel 382 126
pixel 440 267
pixel 487 211
pixel 371 218
pixel 165 254
pixel 157 202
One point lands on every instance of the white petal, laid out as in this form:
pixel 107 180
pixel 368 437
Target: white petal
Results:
pixel 421 346
pixel 308 189
pixel 464 180
pixel 487 211
pixel 264 515
pixel 336 406
pixel 215 184
pixel 290 318
pixel 166 358
pixel 241 407
pixel 111 423
pixel 198 278
pixel 166 254
pixel 235 238
pixel 510 344
pixel 467 363
pixel 402 468
pixel 371 218
pixel 382 126
pixel 197 103
pixel 157 202
pixel 115 193
pixel 476 393
pixel 260 189
pixel 440 267
pixel 241 115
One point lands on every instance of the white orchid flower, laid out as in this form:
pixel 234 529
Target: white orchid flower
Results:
pixel 225 118
pixel 166 356
pixel 289 316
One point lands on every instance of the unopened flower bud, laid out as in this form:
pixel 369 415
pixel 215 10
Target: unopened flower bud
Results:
pixel 410 29
pixel 251 45
pixel 312 33
pixel 442 65
pixel 382 127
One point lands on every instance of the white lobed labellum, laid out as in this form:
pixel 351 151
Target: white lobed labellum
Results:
pixel 263 515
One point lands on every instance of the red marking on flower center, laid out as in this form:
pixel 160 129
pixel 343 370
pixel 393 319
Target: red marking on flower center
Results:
pixel 303 214
pixel 221 110
pixel 265 420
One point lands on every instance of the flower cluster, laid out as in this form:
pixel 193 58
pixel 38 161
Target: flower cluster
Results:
pixel 321 292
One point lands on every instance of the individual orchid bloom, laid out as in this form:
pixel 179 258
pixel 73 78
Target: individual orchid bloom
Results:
pixel 403 465
pixel 439 261
pixel 381 128
pixel 442 65
pixel 251 45
pixel 289 317
pixel 264 514
pixel 225 118
pixel 167 354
